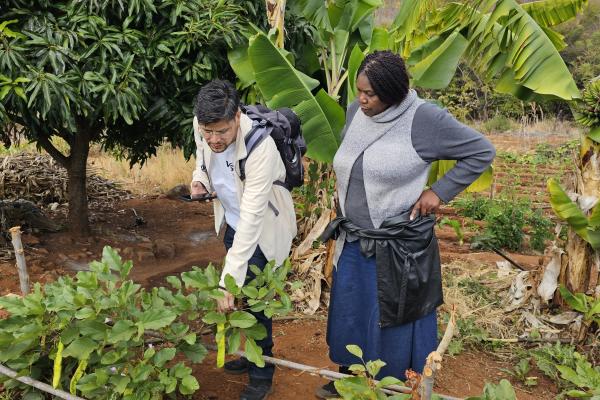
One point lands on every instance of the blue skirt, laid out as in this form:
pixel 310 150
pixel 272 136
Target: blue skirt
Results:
pixel 354 319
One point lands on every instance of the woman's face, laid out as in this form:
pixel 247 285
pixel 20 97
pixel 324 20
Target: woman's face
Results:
pixel 368 100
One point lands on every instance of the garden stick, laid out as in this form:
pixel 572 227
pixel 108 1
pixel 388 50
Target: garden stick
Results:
pixel 434 359
pixel 37 384
pixel 325 373
pixel 15 232
pixel 526 340
pixel 507 258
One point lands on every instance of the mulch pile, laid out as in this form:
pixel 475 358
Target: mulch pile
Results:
pixel 38 178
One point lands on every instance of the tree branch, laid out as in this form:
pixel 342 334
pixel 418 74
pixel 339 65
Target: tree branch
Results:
pixel 44 141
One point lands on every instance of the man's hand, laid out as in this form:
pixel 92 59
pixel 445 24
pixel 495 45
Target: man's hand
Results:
pixel 227 303
pixel 428 202
pixel 198 190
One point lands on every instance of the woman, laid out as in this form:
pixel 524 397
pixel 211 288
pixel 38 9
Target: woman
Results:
pixel 387 279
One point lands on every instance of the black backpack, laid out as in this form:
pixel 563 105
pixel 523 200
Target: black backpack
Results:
pixel 283 125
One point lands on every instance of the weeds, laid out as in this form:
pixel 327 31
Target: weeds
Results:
pixel 521 372
pixel 506 221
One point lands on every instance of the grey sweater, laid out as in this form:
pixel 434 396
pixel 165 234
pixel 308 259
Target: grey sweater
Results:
pixel 383 162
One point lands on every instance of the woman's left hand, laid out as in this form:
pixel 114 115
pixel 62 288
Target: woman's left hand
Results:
pixel 428 202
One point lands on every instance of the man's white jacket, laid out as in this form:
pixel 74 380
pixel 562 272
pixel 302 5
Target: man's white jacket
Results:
pixel 267 216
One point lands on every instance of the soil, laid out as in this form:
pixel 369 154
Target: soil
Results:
pixel 176 235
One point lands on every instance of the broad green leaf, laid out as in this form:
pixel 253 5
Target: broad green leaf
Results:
pixel 241 319
pixel 441 167
pixel 553 12
pixel 174 281
pixel 214 317
pixel 355 350
pixel 122 331
pixel 594 219
pixel 373 367
pixel 356 58
pixel 254 353
pixel 179 370
pixel 569 211
pixel 188 385
pixel 577 302
pixel 250 291
pixel 233 341
pixel 256 332
pixel 194 352
pixel 156 319
pixel 284 86
pixel 112 258
pixel 112 357
pixel 532 57
pixel 241 65
pixel 389 380
pixel 314 11
pixel 594 134
pixel 141 372
pixel 164 355
pixel 80 348
pixel 231 285
pixel 380 40
pixel 437 69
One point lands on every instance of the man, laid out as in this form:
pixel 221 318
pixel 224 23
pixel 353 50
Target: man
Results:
pixel 258 214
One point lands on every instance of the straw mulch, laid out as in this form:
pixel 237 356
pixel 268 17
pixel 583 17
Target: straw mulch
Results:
pixel 38 178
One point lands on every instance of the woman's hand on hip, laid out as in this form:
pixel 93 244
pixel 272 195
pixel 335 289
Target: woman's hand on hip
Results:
pixel 428 202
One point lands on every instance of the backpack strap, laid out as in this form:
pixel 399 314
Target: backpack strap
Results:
pixel 258 133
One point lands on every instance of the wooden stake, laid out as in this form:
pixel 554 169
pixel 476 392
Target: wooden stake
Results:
pixel 434 359
pixel 15 232
pixel 37 384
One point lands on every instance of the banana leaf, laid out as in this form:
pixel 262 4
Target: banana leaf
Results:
pixel 437 69
pixel 282 85
pixel 440 168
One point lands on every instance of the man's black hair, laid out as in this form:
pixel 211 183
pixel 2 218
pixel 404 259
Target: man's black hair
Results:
pixel 217 100
pixel 387 75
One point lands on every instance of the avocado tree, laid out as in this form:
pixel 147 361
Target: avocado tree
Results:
pixel 119 73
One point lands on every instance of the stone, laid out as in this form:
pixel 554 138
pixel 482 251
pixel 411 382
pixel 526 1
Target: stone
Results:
pixel 145 256
pixel 164 249
pixel 178 191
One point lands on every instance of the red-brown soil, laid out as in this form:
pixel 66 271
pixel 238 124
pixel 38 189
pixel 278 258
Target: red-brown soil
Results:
pixel 177 235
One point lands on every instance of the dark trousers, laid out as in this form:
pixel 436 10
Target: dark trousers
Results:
pixel 266 344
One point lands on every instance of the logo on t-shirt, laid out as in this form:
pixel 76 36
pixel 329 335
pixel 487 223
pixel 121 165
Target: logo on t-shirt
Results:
pixel 229 165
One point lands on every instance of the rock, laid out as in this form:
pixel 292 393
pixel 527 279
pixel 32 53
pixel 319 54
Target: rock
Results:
pixel 145 256
pixel 178 191
pixel 146 246
pixel 127 253
pixel 164 249
pixel 26 214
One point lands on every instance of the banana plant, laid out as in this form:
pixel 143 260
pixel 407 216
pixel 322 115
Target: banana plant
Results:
pixel 580 208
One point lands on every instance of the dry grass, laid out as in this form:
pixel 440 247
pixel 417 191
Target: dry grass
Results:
pixel 158 175
pixel 476 291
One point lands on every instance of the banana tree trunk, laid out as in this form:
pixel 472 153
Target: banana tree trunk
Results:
pixel 580 274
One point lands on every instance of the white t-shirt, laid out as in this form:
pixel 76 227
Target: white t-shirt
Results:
pixel 222 175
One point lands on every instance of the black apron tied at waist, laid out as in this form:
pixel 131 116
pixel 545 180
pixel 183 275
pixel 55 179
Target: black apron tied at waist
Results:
pixel 409 284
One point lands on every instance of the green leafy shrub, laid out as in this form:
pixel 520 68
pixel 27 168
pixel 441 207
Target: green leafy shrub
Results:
pixel 498 123
pixel 548 357
pixel 501 391
pixel 584 376
pixel 475 207
pixel 505 222
pixel 89 334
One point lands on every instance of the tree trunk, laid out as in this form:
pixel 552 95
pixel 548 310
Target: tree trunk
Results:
pixel 581 272
pixel 76 170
